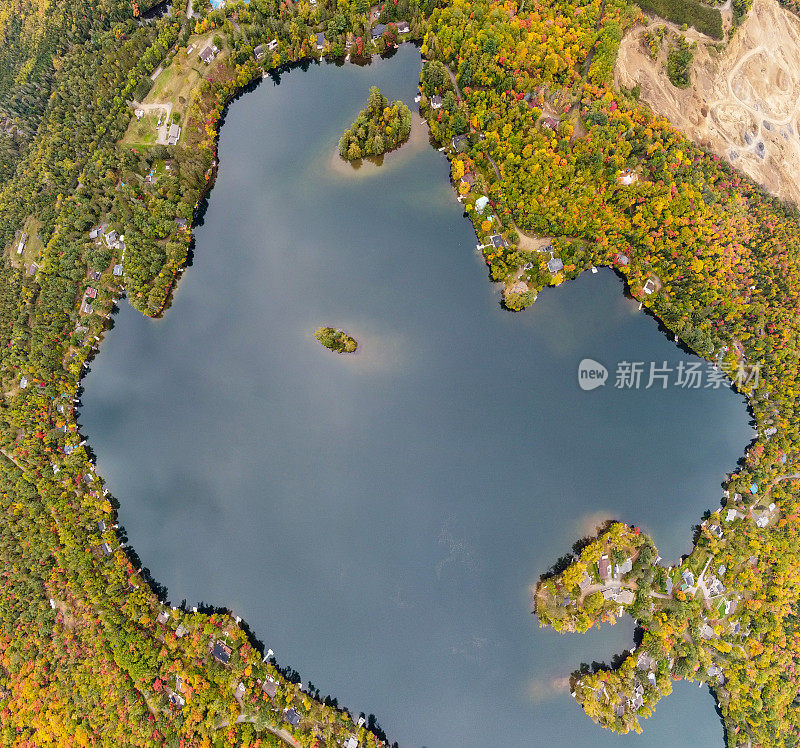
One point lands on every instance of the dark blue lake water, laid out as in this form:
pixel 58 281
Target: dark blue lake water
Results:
pixel 380 519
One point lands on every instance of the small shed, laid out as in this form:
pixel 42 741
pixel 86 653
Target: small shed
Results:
pixel 258 51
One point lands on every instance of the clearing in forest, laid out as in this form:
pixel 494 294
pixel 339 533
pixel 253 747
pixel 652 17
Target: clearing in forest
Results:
pixel 744 100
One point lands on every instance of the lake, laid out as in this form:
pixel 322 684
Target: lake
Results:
pixel 380 519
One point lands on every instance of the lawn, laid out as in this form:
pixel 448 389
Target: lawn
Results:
pixel 143 132
pixel 33 246
pixel 173 85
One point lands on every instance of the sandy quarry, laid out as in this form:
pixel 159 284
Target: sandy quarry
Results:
pixel 744 102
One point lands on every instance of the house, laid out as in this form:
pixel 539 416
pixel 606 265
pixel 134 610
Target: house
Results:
pixel 292 716
pixel 87 308
pixel 258 51
pixel 436 102
pixel 604 567
pixel 626 177
pixel 645 662
pixel 625 597
pixel 377 32
pixel 32 269
pixel 117 270
pixel 669 585
pixel 731 515
pixel 23 240
pixel 481 203
pixel 207 55
pixel 403 27
pixel 468 179
pixel 688 578
pixel 181 630
pixel 715 530
pixel 609 593
pixel 273 45
pixel 23 383
pixel 707 632
pixel 181 223
pixel 549 123
pixel 162 617
pixel 96 232
pixel 351 742
pixel 320 41
pixel 458 139
pixel 239 692
pixel 101 526
pixel 106 548
pixel 649 286
pixel 585 582
pixel 622 259
pixel 715 587
pixel 94 275
pixel 762 521
pixel 174 134
pixel 270 687
pixel 111 238
pixel 555 264
pixel 177 699
pixel 497 241
pixel 623 568
pixel 91 293
pixel 730 606
pixel 221 652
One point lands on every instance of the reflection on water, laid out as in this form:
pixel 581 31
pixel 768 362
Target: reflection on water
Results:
pixel 379 519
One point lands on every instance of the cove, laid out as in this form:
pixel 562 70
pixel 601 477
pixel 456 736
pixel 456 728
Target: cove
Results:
pixel 380 519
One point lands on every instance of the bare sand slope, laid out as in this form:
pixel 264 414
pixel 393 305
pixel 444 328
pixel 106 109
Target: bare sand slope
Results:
pixel 744 102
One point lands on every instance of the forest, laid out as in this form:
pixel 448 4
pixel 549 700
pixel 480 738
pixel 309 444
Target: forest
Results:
pixel 541 146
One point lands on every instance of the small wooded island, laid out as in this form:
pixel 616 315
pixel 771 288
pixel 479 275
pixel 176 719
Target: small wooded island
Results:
pixel 336 340
pixel 379 127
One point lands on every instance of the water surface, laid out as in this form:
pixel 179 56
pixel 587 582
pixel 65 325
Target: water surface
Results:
pixel 380 519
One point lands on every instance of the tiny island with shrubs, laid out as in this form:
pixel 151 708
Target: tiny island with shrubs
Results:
pixel 336 340
pixel 380 127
